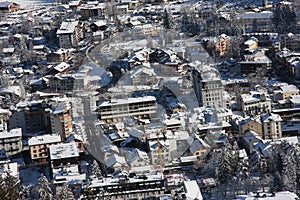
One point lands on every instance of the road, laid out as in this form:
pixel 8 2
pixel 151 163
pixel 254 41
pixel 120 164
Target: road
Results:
pixel 95 137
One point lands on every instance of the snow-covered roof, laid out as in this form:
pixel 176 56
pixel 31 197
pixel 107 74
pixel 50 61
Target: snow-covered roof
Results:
pixel 61 107
pixel 44 139
pixel 127 101
pixel 115 161
pixel 61 151
pixel 67 27
pixel 271 117
pixel 17 132
pixel 137 154
pixel 289 88
pixel 192 190
pixel 6 4
pixel 254 15
pixel 11 89
pixel 115 181
pixel 62 66
pixel 8 50
pixel 197 144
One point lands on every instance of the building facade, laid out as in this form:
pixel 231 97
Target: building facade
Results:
pixel 70 33
pixel 138 187
pixel 61 119
pixel 11 141
pixel 38 147
pixel 117 110
pixel 255 103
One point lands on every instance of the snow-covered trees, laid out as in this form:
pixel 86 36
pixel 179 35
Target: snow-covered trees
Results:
pixel 228 163
pixel 42 189
pixel 290 172
pixel 9 187
pixel 65 193
pixel 285 167
pixel 284 17
pixel 95 169
pixel 167 19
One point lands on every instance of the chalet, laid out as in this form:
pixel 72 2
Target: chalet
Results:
pixel 8 7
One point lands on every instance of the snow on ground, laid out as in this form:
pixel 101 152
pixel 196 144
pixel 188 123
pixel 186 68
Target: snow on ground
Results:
pixel 30 174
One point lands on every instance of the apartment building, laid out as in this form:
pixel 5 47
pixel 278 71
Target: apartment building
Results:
pixel 38 147
pixel 285 92
pixel 31 117
pixel 11 141
pixel 208 88
pixel 271 126
pixel 70 33
pixel 61 118
pixel 63 154
pixel 290 41
pixel 116 110
pixel 92 9
pixel 61 82
pixel 256 21
pixel 254 103
pixel 129 187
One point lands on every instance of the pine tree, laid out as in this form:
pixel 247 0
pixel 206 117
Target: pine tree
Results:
pixel 228 164
pixel 290 172
pixel 9 187
pixel 25 192
pixel 277 184
pixel 167 20
pixel 96 169
pixel 65 193
pixel 42 189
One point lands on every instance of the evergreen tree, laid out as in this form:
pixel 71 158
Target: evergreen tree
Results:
pixel 87 193
pixel 211 167
pixel 42 189
pixel 290 172
pixel 277 184
pixel 25 192
pixel 167 19
pixel 95 169
pixel 9 187
pixel 228 163
pixel 65 193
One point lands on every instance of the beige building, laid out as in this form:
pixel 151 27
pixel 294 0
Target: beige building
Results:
pixel 255 103
pixel 285 92
pixel 271 126
pixel 61 119
pixel 116 110
pixel 199 148
pixel 38 147
pixel 11 141
pixel 267 126
pixel 251 124
pixel 160 152
pixel 70 33
pixel 251 44
pixel 143 76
